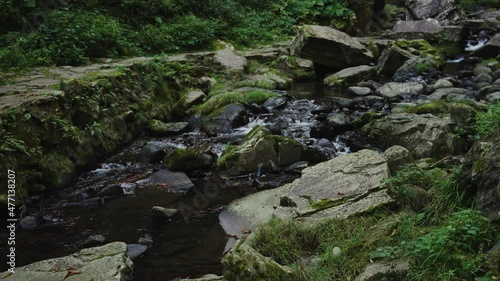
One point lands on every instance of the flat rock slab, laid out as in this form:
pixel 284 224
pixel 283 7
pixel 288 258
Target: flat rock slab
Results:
pixel 105 263
pixel 327 46
pixel 177 181
pixel 349 184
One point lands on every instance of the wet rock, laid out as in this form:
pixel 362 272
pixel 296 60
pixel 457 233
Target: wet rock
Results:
pixel 108 262
pixel 243 263
pixel 161 212
pixel 151 153
pixel 397 156
pixel 360 91
pixel 483 77
pixel 296 168
pixel 265 54
pixel 327 46
pixel 110 190
pixel 442 84
pixel 94 240
pixel 391 60
pixel 482 70
pixel 171 180
pixel 423 135
pixel 395 89
pixel 135 250
pixel 146 241
pixel 259 147
pixel 490 49
pixel 357 179
pixel 482 171
pixel 160 129
pixel 194 97
pixel 378 271
pixel 296 68
pixel 28 223
pixel 343 102
pixel 225 119
pixel 412 68
pixel 339 121
pixel 440 94
pixel 184 159
pixel 350 76
pixel 275 103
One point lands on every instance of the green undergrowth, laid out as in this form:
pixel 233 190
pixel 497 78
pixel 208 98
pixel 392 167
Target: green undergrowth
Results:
pixel 435 229
pixel 487 123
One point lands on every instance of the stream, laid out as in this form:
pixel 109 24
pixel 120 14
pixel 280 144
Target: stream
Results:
pixel 181 247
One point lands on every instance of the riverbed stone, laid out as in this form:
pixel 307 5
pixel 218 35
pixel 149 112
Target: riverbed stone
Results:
pixel 111 190
pixel 395 89
pixel 442 84
pixel 269 80
pixel 151 153
pixel 483 77
pixel 329 47
pixel 418 27
pixel 339 121
pixel 28 223
pixel 94 240
pixel 170 180
pixel 360 91
pixel 183 159
pixel 350 76
pixel 223 120
pixel 108 262
pixel 135 250
pixel 443 93
pixel 207 277
pixel 423 135
pixel 161 212
pixel 340 187
pixel 413 68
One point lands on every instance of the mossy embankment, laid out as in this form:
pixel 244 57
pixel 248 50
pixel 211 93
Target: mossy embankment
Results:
pixel 53 134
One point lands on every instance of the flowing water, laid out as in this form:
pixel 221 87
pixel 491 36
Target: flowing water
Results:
pixel 181 248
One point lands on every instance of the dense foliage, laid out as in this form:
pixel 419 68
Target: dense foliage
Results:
pixel 72 32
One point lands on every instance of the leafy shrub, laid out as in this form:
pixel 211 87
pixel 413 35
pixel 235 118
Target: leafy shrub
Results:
pixel 450 251
pixel 488 123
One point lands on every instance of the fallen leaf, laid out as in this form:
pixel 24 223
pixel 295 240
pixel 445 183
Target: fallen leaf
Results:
pixel 6 275
pixel 394 232
pixel 162 184
pixel 246 231
pixel 71 271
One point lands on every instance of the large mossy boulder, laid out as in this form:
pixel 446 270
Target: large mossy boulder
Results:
pixel 423 135
pixel 243 263
pixel 413 68
pixel 341 187
pixel 108 262
pixel 161 129
pixel 329 47
pixel 350 76
pixel 260 147
pixel 184 159
pixel 296 68
pixel 482 171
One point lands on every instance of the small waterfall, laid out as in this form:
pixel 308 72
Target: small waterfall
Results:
pixel 477 41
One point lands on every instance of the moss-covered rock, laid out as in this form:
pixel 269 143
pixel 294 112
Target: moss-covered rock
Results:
pixel 260 147
pixel 243 96
pixel 183 159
